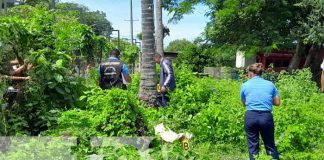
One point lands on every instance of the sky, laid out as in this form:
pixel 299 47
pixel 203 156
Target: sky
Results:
pixel 118 12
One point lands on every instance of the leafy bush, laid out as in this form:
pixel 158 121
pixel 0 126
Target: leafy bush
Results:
pixel 299 118
pixel 197 56
pixel 297 86
pixel 212 111
pixel 48 43
pixel 222 120
pixel 106 113
pixel 21 148
pixel 208 108
pixel 118 111
pixel 134 86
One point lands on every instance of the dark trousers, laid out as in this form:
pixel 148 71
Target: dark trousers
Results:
pixel 162 100
pixel 260 122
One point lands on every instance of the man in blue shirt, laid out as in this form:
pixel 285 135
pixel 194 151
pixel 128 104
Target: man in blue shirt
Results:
pixel 113 73
pixel 258 96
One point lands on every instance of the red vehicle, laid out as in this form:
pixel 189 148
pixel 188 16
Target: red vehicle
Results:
pixel 279 58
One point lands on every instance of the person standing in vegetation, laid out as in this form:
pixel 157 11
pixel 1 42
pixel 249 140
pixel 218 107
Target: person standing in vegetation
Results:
pixel 17 75
pixel 167 79
pixel 113 73
pixel 322 77
pixel 258 96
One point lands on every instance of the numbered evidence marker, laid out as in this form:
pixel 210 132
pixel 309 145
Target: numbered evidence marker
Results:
pixel 158 88
pixel 185 144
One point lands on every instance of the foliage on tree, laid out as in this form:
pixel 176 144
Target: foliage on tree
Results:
pixel 35 2
pixel 178 8
pixel 311 21
pixel 178 45
pixel 139 36
pixel 253 26
pixel 57 102
pixel 95 19
pixel 130 54
pixel 58 48
pixel 198 55
pixel 247 24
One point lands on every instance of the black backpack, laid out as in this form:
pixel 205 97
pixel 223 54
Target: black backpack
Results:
pixel 111 74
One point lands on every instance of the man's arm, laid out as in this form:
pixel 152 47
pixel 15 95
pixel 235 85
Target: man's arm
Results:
pixel 276 98
pixel 99 75
pixel 276 101
pixel 19 71
pixel 128 78
pixel 167 68
pixel 17 78
pixel 322 77
pixel 242 95
pixel 243 102
pixel 29 66
pixel 126 75
pixel 322 81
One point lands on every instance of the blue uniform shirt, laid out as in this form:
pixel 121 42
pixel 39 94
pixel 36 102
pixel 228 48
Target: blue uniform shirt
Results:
pixel 124 68
pixel 258 94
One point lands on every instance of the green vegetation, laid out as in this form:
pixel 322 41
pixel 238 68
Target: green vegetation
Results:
pixel 198 55
pixel 60 48
pixel 208 108
pixel 60 103
pixel 256 26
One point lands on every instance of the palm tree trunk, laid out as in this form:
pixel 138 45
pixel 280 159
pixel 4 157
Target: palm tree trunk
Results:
pixel 159 27
pixel 147 90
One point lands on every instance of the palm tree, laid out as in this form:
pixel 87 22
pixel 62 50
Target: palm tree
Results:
pixel 147 90
pixel 159 35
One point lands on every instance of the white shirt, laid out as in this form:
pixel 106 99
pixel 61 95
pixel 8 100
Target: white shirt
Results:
pixel 322 65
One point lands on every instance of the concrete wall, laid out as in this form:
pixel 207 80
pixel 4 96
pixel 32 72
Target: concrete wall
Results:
pixel 220 72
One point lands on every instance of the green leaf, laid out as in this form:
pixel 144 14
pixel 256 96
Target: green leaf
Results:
pixel 60 90
pixel 51 85
pixel 59 63
pixel 58 78
pixel 41 60
pixel 67 90
pixel 82 98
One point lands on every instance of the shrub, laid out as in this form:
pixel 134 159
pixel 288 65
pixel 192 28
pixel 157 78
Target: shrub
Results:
pixel 212 111
pixel 301 114
pixel 106 113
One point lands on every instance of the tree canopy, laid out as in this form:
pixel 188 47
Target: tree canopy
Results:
pixel 178 45
pixel 96 19
pixel 257 25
